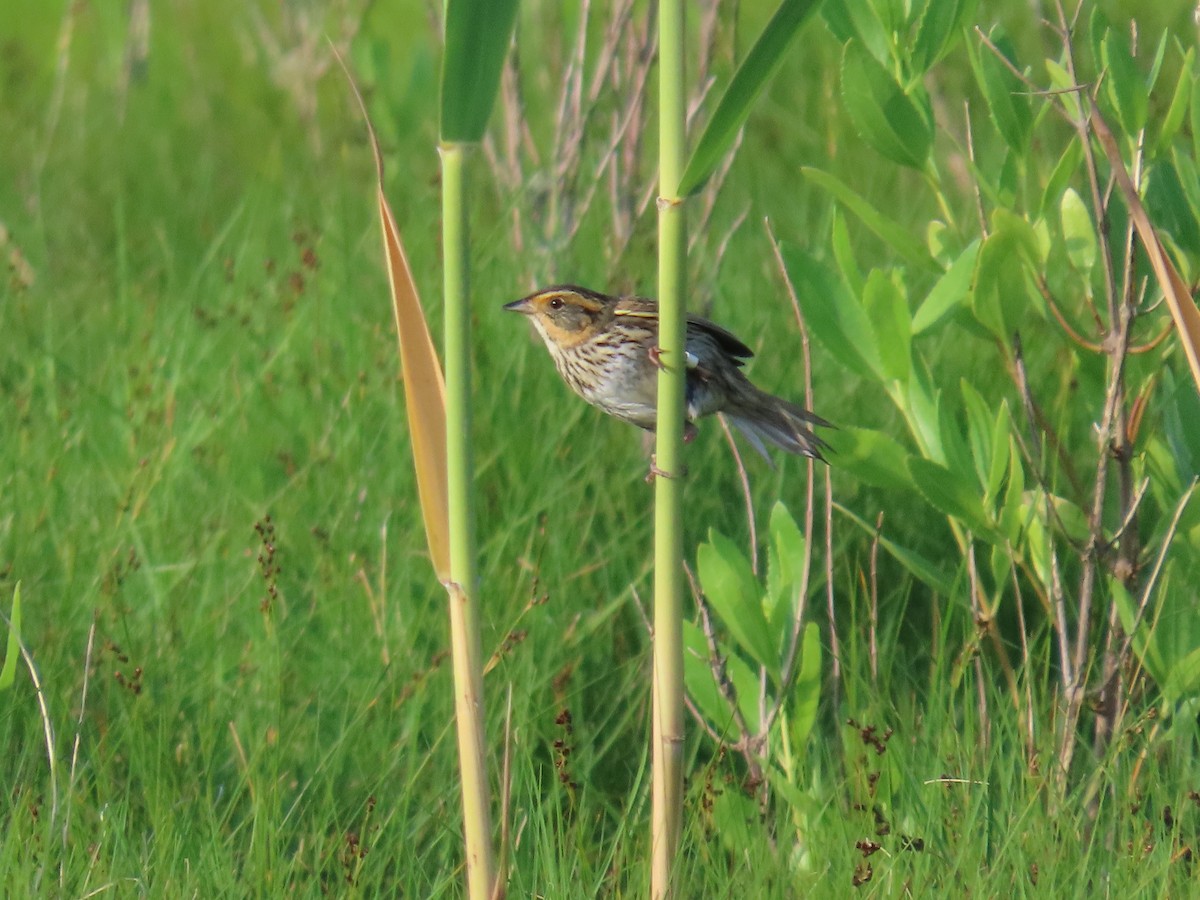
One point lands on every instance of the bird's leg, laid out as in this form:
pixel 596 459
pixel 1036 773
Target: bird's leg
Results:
pixel 690 360
pixel 655 354
pixel 689 432
pixel 656 472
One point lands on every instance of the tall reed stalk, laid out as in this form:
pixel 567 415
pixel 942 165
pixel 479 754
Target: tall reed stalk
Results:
pixel 462 587
pixel 667 738
pixel 478 34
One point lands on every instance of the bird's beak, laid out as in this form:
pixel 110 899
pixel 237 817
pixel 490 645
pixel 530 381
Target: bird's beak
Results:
pixel 522 306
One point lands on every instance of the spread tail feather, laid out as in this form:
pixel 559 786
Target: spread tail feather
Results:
pixel 769 419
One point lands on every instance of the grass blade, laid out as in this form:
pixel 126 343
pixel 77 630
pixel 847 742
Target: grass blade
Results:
pixel 889 230
pixel 752 75
pixel 8 674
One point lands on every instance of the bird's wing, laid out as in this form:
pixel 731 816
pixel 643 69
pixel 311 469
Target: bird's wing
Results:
pixel 726 340
pixel 640 308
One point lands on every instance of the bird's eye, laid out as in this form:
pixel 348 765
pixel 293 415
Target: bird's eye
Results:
pixel 556 303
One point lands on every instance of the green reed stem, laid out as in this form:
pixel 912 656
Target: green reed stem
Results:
pixel 668 730
pixel 463 587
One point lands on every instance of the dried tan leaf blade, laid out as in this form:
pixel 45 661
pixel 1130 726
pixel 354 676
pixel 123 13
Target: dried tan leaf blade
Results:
pixel 424 384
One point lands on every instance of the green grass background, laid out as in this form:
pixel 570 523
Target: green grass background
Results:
pixel 206 356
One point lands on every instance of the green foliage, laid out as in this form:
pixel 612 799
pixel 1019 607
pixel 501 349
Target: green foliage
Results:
pixel 12 651
pixel 1025 504
pixel 888 229
pixel 1168 646
pixel 760 64
pixel 948 293
pixel 736 598
pixel 751 675
pixel 478 34
pixel 1007 99
pixel 205 338
pixel 905 38
pixel 897 124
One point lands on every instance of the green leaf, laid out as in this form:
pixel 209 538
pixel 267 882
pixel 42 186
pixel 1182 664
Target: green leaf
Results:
pixel 736 597
pixel 872 457
pixel 937 28
pixel 698 676
pixel 1180 103
pixel 1078 233
pixel 1071 519
pixel 1032 520
pixel 1142 640
pixel 920 408
pixel 950 292
pixel 1060 80
pixel 1065 169
pixel 892 233
pixel 800 802
pixel 955 452
pixel 806 693
pixel 892 15
pixel 1002 436
pixel 1171 202
pixel 1160 54
pixel 1194 122
pixel 702 685
pixel 1014 517
pixel 478 33
pixel 1123 82
pixel 1189 179
pixel 735 820
pixel 756 69
pixel 897 125
pixel 941 241
pixel 1184 678
pixel 918 566
pixel 859 20
pixel 1021 232
pixel 843 252
pixel 887 310
pixel 1009 179
pixel 785 570
pixel 1004 93
pixel 1180 406
pixel 1000 294
pixel 834 315
pixel 8 674
pixel 949 493
pixel 979 429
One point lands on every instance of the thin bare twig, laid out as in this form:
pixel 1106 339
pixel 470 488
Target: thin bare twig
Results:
pixel 1048 296
pixel 83 699
pixel 748 743
pixel 873 616
pixel 1028 718
pixel 979 211
pixel 982 625
pixel 499 887
pixel 747 497
pixel 801 599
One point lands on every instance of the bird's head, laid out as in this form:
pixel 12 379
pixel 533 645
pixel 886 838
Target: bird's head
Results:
pixel 565 315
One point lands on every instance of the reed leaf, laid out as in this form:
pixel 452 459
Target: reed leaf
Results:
pixel 424 384
pixel 763 60
pixel 478 33
pixel 8 674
